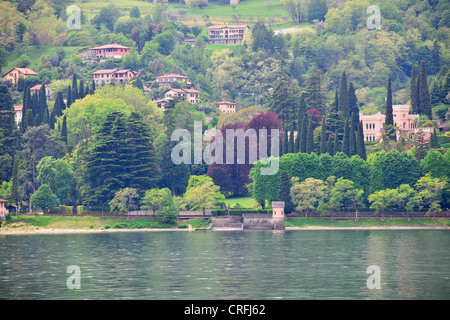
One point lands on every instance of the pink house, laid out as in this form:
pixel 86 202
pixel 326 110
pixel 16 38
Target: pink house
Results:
pixel 190 95
pixel 111 51
pixel 373 124
pixel 3 209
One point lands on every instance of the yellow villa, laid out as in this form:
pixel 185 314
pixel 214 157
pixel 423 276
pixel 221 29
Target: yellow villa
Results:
pixel 14 74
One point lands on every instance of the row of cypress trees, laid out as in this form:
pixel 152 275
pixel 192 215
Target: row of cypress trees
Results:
pixel 341 129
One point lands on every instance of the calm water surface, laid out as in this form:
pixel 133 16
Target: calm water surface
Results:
pixel 414 264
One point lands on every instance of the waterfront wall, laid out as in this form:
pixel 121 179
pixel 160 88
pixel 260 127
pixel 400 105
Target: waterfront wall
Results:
pixel 247 222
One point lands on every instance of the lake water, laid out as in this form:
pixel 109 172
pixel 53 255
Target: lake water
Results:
pixel 322 264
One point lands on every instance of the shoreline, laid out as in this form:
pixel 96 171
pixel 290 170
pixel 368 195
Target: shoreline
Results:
pixel 69 231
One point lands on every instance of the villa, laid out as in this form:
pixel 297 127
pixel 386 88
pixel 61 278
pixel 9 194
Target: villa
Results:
pixel 373 124
pixel 116 51
pixel 18 114
pixel 232 34
pixel 113 75
pixel 34 90
pixel 14 74
pixel 167 79
pixel 190 95
pixel 225 106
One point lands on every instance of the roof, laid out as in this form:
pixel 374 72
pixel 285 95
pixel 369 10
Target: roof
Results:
pixel 225 102
pixel 25 71
pixel 110 46
pixel 18 108
pixel 233 26
pixel 172 75
pixel 182 90
pixel 103 71
pixel 38 86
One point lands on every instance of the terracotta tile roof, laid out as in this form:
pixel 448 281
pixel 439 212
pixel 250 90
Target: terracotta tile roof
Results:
pixel 25 71
pixel 18 108
pixel 110 46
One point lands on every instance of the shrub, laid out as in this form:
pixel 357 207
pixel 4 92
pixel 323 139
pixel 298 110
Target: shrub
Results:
pixel 182 226
pixel 120 226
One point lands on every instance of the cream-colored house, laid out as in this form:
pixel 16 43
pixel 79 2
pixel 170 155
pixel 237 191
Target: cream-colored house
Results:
pixel 14 74
pixel 35 89
pixel 167 79
pixel 226 106
pixel 231 34
pixel 191 95
pixel 113 75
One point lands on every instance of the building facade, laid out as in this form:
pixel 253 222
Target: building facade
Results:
pixel 35 89
pixel 232 34
pixel 191 95
pixel 14 74
pixel 113 75
pixel 18 114
pixel 373 124
pixel 167 79
pixel 116 51
pixel 226 106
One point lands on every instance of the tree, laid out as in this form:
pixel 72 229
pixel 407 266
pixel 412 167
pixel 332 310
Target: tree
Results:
pixel 434 163
pixel 353 104
pixel 64 130
pixel 435 58
pixel 317 9
pixel 323 138
pixel 346 141
pixel 135 13
pixel 201 193
pixel 59 176
pixel 389 122
pixel 107 17
pixel 125 200
pixel 381 200
pixel 434 142
pixel 430 191
pixel 406 197
pixel 168 210
pixel 15 195
pixel 344 194
pixel 310 138
pixel 166 41
pixel 307 195
pixel 44 198
pixel 284 192
pixel 343 97
pixel 414 91
pixel 8 134
pixel 424 93
pixel 360 146
pixel 352 136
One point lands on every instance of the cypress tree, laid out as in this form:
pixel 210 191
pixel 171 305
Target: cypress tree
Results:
pixel 352 137
pixel 8 136
pixel 434 142
pixel 424 93
pixel 310 138
pixel 353 104
pixel 343 98
pixel 15 195
pixel 336 101
pixel 284 192
pixel 304 135
pixel 74 88
pixel 389 122
pixel 336 143
pixel 280 146
pixel 302 109
pixel 92 91
pixel 323 137
pixel 330 145
pixel 64 130
pixel 81 93
pixel 413 91
pixel 360 146
pixel 345 141
pixel 69 96
pixel 285 141
pixel 297 138
pixel 43 108
pixel 435 58
pixel 291 142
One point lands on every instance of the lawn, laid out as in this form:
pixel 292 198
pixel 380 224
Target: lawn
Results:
pixel 249 11
pixel 35 53
pixel 75 222
pixel 244 202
